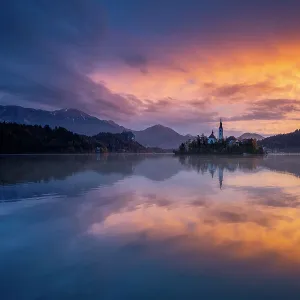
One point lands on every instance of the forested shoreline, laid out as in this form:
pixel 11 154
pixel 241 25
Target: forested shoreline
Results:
pixel 18 138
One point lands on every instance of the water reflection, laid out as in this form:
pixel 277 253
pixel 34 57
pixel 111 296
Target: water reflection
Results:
pixel 154 226
pixel 37 176
pixel 23 177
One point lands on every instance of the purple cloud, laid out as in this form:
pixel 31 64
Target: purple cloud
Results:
pixel 269 109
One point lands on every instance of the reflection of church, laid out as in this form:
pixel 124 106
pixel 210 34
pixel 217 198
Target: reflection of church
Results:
pixel 220 164
pixel 221 176
pixel 212 168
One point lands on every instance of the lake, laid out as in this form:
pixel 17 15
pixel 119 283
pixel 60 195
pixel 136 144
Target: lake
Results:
pixel 149 227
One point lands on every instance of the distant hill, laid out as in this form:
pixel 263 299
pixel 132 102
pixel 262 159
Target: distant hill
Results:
pixel 71 119
pixel 248 135
pixel 19 138
pixel 288 141
pixel 160 136
pixel 82 123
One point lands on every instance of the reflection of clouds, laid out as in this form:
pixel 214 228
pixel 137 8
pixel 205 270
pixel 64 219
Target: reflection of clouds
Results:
pixel 254 215
pixel 182 233
pixel 240 217
pixel 267 188
pixel 264 179
pixel 272 196
pixel 240 230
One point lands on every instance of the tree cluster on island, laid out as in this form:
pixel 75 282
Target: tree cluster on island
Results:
pixel 231 145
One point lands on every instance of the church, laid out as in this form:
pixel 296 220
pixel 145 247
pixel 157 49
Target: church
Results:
pixel 212 139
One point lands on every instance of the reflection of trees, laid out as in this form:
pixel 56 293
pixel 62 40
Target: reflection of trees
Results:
pixel 283 163
pixel 217 165
pixel 71 174
pixel 42 168
pixel 211 164
pixel 280 163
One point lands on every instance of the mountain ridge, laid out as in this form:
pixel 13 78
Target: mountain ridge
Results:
pixel 160 136
pixel 80 122
pixel 285 141
pixel 250 135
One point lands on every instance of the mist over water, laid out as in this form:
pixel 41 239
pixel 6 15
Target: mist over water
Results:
pixel 149 227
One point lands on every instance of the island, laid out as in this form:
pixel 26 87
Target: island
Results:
pixel 212 145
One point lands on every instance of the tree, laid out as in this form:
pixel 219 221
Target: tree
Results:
pixel 203 139
pixel 198 141
pixel 182 148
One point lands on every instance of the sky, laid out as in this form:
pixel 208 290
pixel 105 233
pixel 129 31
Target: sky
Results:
pixel 180 63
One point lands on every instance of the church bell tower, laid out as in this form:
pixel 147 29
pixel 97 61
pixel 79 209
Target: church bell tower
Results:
pixel 221 131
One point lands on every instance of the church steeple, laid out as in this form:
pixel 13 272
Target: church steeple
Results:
pixel 221 130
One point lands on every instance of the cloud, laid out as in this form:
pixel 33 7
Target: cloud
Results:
pixel 169 103
pixel 51 49
pixel 175 113
pixel 248 89
pixel 158 106
pixel 47 52
pixel 269 109
pixel 137 61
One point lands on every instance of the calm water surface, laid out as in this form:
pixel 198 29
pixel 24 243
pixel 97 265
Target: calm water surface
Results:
pixel 149 227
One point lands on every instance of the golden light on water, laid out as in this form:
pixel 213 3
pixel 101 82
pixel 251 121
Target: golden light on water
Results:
pixel 245 220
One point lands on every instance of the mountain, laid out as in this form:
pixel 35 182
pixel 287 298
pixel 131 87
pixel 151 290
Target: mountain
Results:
pixel 248 135
pixel 71 119
pixel 160 136
pixel 82 123
pixel 288 141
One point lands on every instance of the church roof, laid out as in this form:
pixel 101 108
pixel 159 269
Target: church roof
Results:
pixel 212 136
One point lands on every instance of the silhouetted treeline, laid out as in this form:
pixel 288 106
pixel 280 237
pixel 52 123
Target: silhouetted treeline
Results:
pixel 117 142
pixel 283 141
pixel 18 138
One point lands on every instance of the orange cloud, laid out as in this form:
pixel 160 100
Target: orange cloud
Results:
pixel 229 77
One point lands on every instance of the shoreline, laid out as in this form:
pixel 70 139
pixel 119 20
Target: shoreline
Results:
pixel 221 154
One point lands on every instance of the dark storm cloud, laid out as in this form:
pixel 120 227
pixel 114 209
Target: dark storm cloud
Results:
pixel 47 50
pixel 137 61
